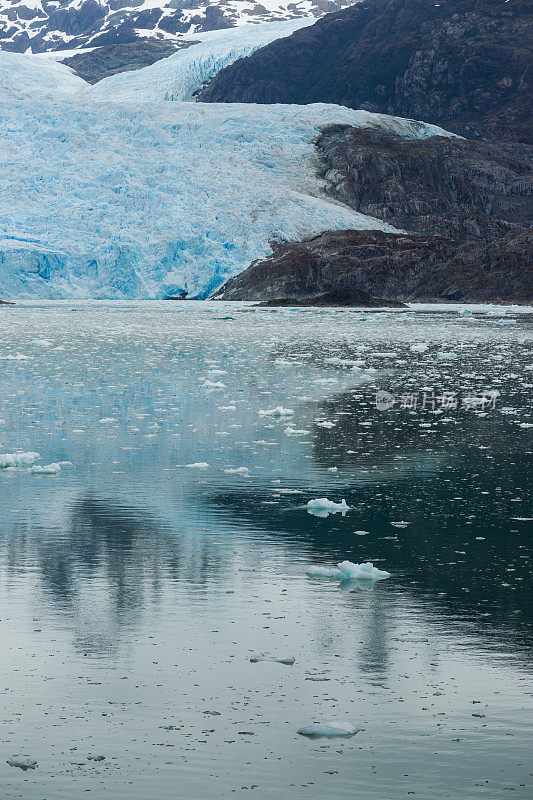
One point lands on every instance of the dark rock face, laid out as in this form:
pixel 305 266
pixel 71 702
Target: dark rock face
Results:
pixel 463 64
pixel 466 205
pixel 344 297
pixel 395 266
pixel 439 185
pixel 114 58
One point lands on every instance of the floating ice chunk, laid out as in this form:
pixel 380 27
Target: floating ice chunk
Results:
pixel 289 660
pixel 237 471
pixel 289 431
pixel 400 524
pixel 22 762
pixel 107 420
pixel 325 424
pixel 319 730
pixel 279 411
pixel 322 507
pixel 41 342
pixel 227 408
pixel 198 465
pixel 326 572
pixel 365 571
pixel 47 469
pixel 445 354
pixel 361 533
pixel 17 357
pixel 419 347
pixel 18 459
pixel 214 385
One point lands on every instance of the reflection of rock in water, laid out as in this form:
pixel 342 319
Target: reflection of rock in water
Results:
pixel 460 543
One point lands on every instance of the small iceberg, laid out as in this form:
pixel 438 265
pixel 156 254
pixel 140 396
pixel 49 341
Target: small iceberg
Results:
pixel 237 471
pixel 289 660
pixel 322 507
pixel 18 459
pixel 47 469
pixel 319 730
pixel 198 465
pixel 279 411
pixel 347 570
pixel 22 763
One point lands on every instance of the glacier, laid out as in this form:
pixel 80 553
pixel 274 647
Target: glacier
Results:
pixel 130 189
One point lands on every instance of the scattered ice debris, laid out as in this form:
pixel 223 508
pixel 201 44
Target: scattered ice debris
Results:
pixel 95 758
pixel 419 347
pixel 279 411
pixel 325 424
pixel 41 342
pixel 289 660
pixel 22 763
pixel 17 357
pixel 47 469
pixel 347 570
pixel 322 507
pixel 400 524
pixel 107 420
pixel 319 730
pixel 237 471
pixel 198 465
pixel 18 459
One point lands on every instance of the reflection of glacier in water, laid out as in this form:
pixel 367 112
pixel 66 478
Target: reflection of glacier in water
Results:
pixel 133 591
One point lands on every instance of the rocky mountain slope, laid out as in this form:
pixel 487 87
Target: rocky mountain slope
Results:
pixel 465 205
pixel 462 64
pixel 47 25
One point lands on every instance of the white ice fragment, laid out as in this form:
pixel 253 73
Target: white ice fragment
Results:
pixel 321 506
pixel 198 465
pixel 279 411
pixel 214 385
pixel 41 342
pixel 289 660
pixel 325 424
pixel 419 347
pixel 47 469
pixel 320 730
pixel 325 572
pixel 289 431
pixel 18 459
pixel 22 763
pixel 365 571
pixel 237 471
pixel 107 420
pixel 400 524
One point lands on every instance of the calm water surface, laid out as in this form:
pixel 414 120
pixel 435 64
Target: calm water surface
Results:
pixel 134 589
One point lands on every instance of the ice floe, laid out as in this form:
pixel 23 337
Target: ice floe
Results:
pixel 320 730
pixel 322 507
pixel 18 459
pixel 347 570
pixel 46 469
pixel 289 660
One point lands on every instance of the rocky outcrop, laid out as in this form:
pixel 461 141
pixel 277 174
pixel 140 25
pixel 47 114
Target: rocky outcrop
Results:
pixel 463 64
pixel 345 297
pixel 396 266
pixel 114 58
pixel 465 208
pixel 439 185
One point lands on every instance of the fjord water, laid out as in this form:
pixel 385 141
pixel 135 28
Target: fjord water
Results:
pixel 134 587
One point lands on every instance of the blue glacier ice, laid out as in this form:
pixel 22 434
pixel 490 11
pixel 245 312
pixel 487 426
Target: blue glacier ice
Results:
pixel 117 191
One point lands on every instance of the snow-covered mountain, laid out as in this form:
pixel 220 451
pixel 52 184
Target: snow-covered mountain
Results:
pixel 45 25
pixel 129 188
